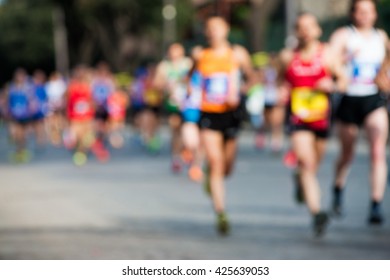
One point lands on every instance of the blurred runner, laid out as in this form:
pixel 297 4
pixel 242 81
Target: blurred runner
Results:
pixel 21 94
pixel 117 104
pixel 146 102
pixel 308 72
pixel 363 48
pixel 81 112
pixel 40 107
pixel 255 105
pixel 220 66
pixel 190 129
pixel 274 113
pixel 171 77
pixel 56 122
pixel 102 87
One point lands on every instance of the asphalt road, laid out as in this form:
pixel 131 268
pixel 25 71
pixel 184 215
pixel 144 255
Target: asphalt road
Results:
pixel 134 208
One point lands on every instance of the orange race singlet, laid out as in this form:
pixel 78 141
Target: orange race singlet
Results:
pixel 117 105
pixel 219 73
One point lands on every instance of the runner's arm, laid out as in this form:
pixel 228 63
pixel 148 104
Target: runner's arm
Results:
pixel 246 67
pixel 159 80
pixel 283 59
pixel 333 61
pixel 383 77
pixel 337 44
pixel 195 55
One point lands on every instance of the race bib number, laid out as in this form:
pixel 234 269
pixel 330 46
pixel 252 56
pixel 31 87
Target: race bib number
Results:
pixel 82 107
pixel 216 88
pixel 365 72
pixel 309 105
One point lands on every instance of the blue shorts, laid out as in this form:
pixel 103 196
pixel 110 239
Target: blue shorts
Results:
pixel 38 116
pixel 191 115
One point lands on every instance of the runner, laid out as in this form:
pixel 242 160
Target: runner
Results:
pixel 307 71
pixel 171 77
pixel 146 102
pixel 363 47
pixel 190 129
pixel 254 104
pixel 102 87
pixel 220 66
pixel 20 96
pixel 56 89
pixel 117 104
pixel 80 111
pixel 40 110
pixel 274 113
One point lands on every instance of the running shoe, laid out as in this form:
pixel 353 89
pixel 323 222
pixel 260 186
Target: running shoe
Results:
pixel 100 151
pixel 23 156
pixel 376 217
pixel 276 147
pixel 187 156
pixel 116 140
pixel 154 145
pixel 260 141
pixel 176 166
pixel 320 223
pixel 223 226
pixel 195 173
pixel 290 160
pixel 69 140
pixel 337 206
pixel 79 158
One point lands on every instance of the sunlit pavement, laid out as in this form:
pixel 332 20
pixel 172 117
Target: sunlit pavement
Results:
pixel 134 208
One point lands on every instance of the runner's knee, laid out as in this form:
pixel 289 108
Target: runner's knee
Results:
pixel 216 166
pixel 378 153
pixel 308 165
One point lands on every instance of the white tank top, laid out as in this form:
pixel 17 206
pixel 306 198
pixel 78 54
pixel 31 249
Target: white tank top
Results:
pixel 365 57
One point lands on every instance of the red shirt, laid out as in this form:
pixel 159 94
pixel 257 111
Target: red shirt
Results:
pixel 303 76
pixel 80 102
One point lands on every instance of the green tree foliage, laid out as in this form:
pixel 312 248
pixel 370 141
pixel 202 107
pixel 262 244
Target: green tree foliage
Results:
pixel 26 36
pixel 122 32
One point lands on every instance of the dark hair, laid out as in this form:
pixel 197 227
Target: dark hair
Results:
pixel 355 2
pixel 302 14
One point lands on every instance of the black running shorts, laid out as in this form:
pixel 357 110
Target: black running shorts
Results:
pixel 227 123
pixel 355 109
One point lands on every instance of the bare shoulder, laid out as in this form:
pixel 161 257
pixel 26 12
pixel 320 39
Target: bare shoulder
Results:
pixel 384 35
pixel 239 49
pixel 329 55
pixel 240 53
pixel 340 34
pixel 285 56
pixel 196 52
pixel 327 49
pixel 161 67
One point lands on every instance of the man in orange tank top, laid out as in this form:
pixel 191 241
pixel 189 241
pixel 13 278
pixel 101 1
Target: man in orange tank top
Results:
pixel 220 66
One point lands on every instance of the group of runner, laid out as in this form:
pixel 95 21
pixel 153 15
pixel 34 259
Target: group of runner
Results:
pixel 83 113
pixel 204 96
